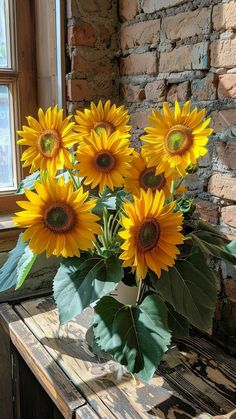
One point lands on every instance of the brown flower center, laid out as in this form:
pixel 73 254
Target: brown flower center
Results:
pixel 148 179
pixel 105 161
pixel 149 234
pixel 59 217
pixel 99 126
pixel 49 143
pixel 178 140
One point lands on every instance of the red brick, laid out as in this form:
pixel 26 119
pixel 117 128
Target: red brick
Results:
pixel 187 24
pixel 223 186
pixel 139 119
pixel 207 211
pixel 84 34
pixel 136 64
pixel 187 57
pixel 83 8
pixel 133 93
pixel 156 91
pixel 128 9
pixel 87 60
pixel 179 92
pixel 230 289
pixel 78 90
pixel 223 53
pixel 140 33
pixel 223 119
pixel 224 16
pixel 226 153
pixel 104 35
pixel 229 215
pixel 205 89
pixel 227 86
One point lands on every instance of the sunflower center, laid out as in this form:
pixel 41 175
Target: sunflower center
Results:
pixel 48 143
pixel 105 161
pixel 99 126
pixel 178 140
pixel 148 179
pixel 59 217
pixel 149 234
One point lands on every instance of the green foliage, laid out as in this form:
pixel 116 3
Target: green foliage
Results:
pixel 79 282
pixel 136 337
pixel 185 205
pixel 178 324
pixel 190 288
pixel 28 182
pixel 111 201
pixel 214 243
pixel 14 271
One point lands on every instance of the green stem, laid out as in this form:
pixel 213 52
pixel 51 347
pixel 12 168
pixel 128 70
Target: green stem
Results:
pixel 73 178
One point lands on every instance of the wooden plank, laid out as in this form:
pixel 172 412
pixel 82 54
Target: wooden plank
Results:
pixel 30 399
pixel 6 406
pixel 108 395
pixel 50 376
pixel 86 412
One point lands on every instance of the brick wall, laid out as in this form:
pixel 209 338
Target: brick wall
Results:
pixel 92 44
pixel 167 50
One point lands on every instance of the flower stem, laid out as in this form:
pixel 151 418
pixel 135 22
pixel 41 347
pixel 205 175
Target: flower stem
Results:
pixel 73 178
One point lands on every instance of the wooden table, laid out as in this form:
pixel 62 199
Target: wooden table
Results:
pixel 198 381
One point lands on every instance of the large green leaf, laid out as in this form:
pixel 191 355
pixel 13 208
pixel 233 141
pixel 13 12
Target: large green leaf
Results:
pixel 190 287
pixel 215 246
pixel 111 201
pixel 178 324
pixel 136 337
pixel 17 266
pixel 28 182
pixel 80 282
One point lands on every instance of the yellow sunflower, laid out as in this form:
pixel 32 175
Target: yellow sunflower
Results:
pixel 176 139
pixel 48 140
pixel 104 160
pixel 57 219
pixel 151 233
pixel 102 117
pixel 141 177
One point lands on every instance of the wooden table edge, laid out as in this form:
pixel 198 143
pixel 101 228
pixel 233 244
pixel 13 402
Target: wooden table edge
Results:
pixel 18 333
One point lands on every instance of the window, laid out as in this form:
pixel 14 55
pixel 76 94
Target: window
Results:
pixel 18 91
pixel 31 75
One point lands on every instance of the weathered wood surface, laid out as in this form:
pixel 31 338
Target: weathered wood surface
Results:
pixel 6 410
pixel 63 393
pixel 197 382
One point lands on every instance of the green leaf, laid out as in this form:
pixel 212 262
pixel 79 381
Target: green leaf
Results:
pixel 191 289
pixel 17 266
pixel 28 182
pixel 80 282
pixel 136 337
pixel 231 247
pixel 111 201
pixel 214 245
pixel 178 324
pixel 24 266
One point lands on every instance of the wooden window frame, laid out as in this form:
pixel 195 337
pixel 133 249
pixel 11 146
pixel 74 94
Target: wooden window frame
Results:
pixel 36 71
pixel 22 77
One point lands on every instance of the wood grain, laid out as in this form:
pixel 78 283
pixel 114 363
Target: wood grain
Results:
pixel 49 375
pixel 97 379
pixel 6 411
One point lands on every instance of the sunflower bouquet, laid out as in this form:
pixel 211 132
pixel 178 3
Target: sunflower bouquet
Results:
pixel 117 216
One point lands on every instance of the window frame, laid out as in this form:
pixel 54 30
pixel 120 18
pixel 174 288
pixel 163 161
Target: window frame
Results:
pixel 21 77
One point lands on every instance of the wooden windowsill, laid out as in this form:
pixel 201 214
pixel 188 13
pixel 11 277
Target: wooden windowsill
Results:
pixel 6 222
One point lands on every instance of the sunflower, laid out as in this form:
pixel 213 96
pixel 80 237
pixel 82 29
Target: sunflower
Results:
pixel 104 160
pixel 48 140
pixel 57 219
pixel 141 177
pixel 102 117
pixel 176 139
pixel 151 233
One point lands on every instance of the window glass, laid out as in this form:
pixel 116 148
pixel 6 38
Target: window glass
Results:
pixel 4 44
pixel 7 151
